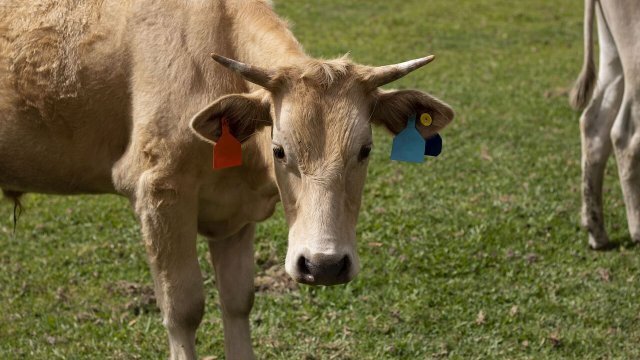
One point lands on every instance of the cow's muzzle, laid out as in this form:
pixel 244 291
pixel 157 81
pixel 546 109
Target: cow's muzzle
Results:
pixel 324 269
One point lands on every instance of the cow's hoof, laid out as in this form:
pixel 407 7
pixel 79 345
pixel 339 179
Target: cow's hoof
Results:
pixel 599 243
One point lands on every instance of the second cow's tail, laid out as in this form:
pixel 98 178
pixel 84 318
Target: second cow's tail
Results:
pixel 582 89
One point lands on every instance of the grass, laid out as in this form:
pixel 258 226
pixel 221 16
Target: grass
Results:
pixel 475 254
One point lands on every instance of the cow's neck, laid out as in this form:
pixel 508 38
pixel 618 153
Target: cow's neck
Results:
pixel 262 38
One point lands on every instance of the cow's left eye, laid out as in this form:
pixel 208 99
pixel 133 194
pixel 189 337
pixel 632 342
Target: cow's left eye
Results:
pixel 278 152
pixel 364 152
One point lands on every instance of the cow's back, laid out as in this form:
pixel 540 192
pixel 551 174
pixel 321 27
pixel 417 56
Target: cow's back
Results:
pixel 64 102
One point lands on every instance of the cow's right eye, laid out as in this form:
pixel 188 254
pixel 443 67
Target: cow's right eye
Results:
pixel 278 152
pixel 364 152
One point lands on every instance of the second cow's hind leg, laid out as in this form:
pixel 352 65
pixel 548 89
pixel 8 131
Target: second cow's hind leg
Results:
pixel 233 261
pixel 595 127
pixel 626 139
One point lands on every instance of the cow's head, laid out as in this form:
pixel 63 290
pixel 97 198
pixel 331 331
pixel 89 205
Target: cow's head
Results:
pixel 321 114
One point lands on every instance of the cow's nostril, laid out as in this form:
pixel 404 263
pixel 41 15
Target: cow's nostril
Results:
pixel 304 268
pixel 344 265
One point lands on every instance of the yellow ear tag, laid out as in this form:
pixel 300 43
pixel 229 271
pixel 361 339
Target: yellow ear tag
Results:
pixel 425 119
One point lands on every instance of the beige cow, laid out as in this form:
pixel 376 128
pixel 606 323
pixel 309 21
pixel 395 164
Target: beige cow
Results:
pixel 100 97
pixel 611 120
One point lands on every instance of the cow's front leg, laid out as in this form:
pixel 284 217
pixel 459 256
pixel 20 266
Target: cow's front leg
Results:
pixel 232 259
pixel 168 214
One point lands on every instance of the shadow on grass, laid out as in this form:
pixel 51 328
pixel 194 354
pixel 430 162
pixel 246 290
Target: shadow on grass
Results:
pixel 625 241
pixel 617 243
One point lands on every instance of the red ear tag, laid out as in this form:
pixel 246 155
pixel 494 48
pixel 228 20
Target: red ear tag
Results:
pixel 227 152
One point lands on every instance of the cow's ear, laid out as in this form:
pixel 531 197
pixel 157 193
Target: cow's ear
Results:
pixel 393 109
pixel 246 113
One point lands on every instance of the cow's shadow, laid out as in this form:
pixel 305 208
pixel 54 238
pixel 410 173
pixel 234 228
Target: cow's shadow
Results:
pixel 617 243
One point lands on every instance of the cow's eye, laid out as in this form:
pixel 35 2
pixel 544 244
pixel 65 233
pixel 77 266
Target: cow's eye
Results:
pixel 278 152
pixel 364 152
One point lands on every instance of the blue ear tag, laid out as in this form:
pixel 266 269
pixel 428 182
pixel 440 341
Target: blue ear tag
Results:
pixel 433 146
pixel 408 145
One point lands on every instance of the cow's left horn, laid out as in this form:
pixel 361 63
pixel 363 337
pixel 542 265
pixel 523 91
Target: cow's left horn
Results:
pixel 254 74
pixel 381 75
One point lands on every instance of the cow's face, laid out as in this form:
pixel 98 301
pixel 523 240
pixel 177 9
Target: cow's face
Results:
pixel 321 115
pixel 321 143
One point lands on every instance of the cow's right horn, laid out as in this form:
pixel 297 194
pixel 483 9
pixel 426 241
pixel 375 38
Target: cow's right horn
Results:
pixel 254 74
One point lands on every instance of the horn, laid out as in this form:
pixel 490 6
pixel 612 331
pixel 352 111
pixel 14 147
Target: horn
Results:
pixel 382 75
pixel 254 74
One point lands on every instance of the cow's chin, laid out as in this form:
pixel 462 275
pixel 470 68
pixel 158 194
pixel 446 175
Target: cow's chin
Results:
pixel 327 267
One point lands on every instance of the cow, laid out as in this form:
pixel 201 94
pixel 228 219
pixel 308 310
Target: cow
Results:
pixel 122 97
pixel 611 117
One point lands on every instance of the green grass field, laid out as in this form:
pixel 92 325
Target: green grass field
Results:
pixel 477 254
